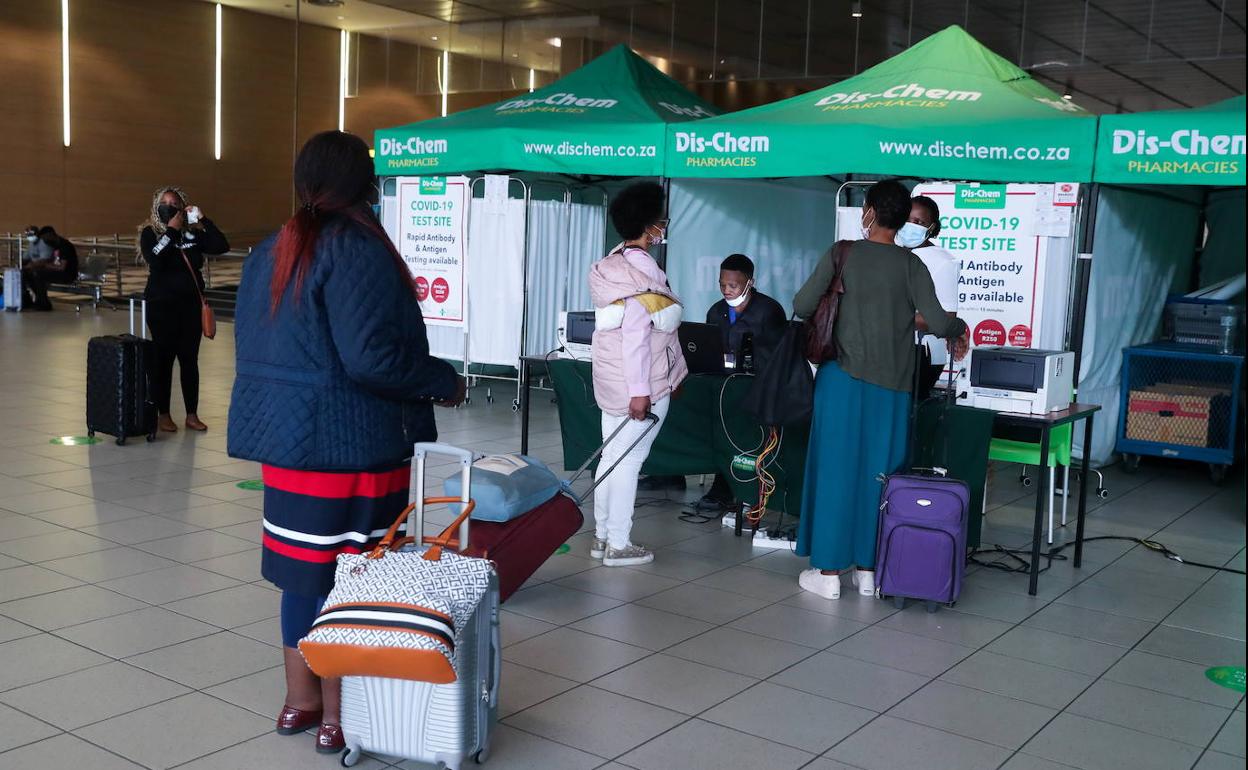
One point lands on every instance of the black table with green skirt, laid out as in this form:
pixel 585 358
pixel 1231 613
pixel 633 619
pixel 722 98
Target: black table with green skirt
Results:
pixel 705 431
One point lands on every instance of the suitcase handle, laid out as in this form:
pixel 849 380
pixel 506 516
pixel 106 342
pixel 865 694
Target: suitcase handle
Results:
pixel 390 542
pixel 143 325
pixel 416 511
pixel 651 418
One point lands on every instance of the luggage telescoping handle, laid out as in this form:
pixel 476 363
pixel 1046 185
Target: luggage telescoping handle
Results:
pixel 143 324
pixel 650 418
pixel 421 452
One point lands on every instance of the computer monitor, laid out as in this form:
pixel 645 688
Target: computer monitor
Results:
pixel 703 346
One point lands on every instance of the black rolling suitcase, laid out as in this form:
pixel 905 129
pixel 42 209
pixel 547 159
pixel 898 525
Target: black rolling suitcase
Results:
pixel 119 400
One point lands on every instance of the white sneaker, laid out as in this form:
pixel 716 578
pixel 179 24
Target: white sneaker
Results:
pixel 599 548
pixel 827 586
pixel 864 580
pixel 629 556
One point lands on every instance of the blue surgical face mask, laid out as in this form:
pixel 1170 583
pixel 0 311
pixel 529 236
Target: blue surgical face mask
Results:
pixel 911 235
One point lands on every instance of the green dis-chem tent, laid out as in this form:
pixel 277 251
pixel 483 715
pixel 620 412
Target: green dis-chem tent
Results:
pixel 607 118
pixel 947 108
pixel 1203 146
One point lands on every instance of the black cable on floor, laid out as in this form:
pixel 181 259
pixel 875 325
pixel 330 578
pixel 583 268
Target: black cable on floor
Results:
pixel 1020 564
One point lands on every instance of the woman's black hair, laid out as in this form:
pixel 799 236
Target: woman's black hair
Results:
pixel 637 207
pixel 739 263
pixel 932 210
pixel 891 201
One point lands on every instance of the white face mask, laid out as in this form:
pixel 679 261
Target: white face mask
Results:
pixel 911 235
pixel 866 227
pixel 32 238
pixel 739 301
pixel 661 238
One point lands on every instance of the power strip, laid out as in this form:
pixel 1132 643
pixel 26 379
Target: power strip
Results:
pixel 761 538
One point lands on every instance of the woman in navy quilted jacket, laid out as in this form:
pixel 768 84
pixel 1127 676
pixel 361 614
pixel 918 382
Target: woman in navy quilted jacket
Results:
pixel 334 384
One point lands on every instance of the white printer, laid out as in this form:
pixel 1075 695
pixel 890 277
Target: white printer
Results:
pixel 1019 380
pixel 575 333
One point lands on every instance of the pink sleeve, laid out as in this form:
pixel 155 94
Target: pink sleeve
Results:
pixel 636 339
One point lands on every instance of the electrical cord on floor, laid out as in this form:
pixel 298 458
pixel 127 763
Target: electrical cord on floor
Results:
pixel 1020 564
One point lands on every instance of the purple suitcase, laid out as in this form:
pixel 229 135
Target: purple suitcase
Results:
pixel 921 551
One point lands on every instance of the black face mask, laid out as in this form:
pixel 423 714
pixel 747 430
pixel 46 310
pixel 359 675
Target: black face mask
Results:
pixel 166 212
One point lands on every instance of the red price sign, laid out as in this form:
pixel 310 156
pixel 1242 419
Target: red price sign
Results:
pixel 441 290
pixel 422 288
pixel 1020 336
pixel 989 332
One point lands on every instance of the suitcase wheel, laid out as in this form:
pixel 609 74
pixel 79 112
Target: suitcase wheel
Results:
pixel 90 434
pixel 931 606
pixel 899 602
pixel 349 757
pixel 482 756
pixel 151 437
pixel 121 441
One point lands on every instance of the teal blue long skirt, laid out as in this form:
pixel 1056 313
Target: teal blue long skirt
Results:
pixel 858 432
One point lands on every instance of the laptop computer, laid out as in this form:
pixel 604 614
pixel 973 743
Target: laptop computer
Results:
pixel 703 346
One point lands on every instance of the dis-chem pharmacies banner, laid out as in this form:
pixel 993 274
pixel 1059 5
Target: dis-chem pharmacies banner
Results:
pixel 998 234
pixel 432 229
pixel 1204 146
pixel 946 108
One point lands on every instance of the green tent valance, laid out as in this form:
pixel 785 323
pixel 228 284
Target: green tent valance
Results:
pixel 947 108
pixel 1203 146
pixel 607 118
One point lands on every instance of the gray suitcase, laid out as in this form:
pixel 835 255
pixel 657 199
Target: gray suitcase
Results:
pixel 441 724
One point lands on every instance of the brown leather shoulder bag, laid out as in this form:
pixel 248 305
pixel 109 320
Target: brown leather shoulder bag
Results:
pixel 821 327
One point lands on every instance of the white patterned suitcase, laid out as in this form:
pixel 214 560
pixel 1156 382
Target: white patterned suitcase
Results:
pixel 441 724
pixel 13 289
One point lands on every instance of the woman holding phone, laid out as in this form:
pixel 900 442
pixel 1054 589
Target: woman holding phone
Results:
pixel 173 242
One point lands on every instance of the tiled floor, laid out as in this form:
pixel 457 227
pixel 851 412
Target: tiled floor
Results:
pixel 135 630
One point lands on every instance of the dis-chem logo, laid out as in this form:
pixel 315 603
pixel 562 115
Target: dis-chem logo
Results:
pixel 560 102
pixel 901 95
pixel 985 196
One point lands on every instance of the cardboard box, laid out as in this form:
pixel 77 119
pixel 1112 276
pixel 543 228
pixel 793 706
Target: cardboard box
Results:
pixel 1168 413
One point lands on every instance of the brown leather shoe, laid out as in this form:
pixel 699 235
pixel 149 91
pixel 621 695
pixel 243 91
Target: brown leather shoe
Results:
pixel 194 423
pixel 292 720
pixel 166 424
pixel 329 740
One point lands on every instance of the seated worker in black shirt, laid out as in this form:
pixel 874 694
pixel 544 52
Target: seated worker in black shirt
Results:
pixel 55 262
pixel 744 313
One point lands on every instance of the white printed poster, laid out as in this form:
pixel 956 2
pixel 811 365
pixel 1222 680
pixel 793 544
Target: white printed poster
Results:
pixel 432 228
pixel 992 230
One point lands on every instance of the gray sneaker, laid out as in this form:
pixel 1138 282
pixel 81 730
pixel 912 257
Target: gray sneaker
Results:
pixel 598 549
pixel 629 556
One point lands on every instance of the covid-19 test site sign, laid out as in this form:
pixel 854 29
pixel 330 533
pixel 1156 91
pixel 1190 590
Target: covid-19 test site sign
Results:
pixel 432 239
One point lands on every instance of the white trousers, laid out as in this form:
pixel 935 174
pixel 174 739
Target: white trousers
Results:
pixel 615 498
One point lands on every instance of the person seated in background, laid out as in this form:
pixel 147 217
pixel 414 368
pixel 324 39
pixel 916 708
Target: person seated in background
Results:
pixel 55 262
pixel 917 235
pixel 743 313
pixel 29 245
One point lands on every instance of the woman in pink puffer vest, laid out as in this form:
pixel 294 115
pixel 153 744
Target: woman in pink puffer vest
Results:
pixel 637 364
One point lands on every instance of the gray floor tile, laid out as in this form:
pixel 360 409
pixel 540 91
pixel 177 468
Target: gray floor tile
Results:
pixel 141 530
pixel 115 563
pixel 698 745
pixel 529 752
pixel 756 583
pixel 176 731
pixel 169 584
pixel 261 693
pixel 791 624
pixel 682 566
pixel 559 605
pixel 116 688
pixel 18 729
pixel 18 527
pixel 69 607
pixel 209 660
pixel 42 656
pixel 89 513
pixel 1028 762
pixel 30 580
pixel 516 627
pixel 573 654
pixel 1131 605
pixel 625 585
pixel 1090 624
pixel 823 763
pixel 1194 647
pixel 136 632
pixel 42 501
pixel 1019 679
pixel 673 683
pixel 215 515
pixel 1080 655
pixel 1120 578
pixel 789 716
pixel 1211 760
pixel 273 752
pixel 596 721
pixel 1173 677
pixel 196 546
pixel 10 629
pixel 63 752
pixel 994 719
pixel 1230 739
pixel 707 604
pixel 895 649
pixel 9 561
pixel 1150 712
pixel 947 626
pixel 524 687
pixel 888 743
pixel 1219 621
pixel 851 606
pixel 244 565
pixel 1093 745
pixel 642 626
pixel 231 607
pixel 742 652
pixel 851 681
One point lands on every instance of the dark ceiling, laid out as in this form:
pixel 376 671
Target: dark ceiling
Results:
pixel 1112 55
